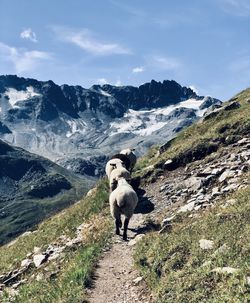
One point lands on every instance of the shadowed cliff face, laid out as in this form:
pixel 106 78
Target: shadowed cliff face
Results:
pixel 67 123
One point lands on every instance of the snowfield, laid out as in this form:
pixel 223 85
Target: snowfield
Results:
pixel 15 96
pixel 145 122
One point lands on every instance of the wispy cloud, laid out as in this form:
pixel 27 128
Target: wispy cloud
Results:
pixel 118 82
pixel 164 62
pixel 138 69
pixel 240 8
pixel 28 34
pixel 22 60
pixel 85 39
pixel 102 81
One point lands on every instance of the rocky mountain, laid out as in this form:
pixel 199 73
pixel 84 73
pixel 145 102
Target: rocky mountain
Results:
pixel 71 125
pixel 32 188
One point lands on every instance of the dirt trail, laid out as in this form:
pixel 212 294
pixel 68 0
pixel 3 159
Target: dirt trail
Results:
pixel 115 274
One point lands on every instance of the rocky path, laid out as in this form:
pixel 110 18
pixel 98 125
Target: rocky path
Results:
pixel 189 189
pixel 116 280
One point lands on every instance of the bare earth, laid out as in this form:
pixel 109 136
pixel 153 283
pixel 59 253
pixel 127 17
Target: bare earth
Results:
pixel 115 273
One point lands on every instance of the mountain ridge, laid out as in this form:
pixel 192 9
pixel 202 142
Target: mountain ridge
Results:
pixel 70 122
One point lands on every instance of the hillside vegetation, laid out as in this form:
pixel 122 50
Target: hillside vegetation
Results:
pixel 171 261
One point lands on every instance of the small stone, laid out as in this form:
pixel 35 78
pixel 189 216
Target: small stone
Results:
pixel 230 187
pixel 206 244
pixel 217 171
pixel 167 220
pixel 243 141
pixel 227 174
pixel 91 192
pixel 194 183
pixel 136 239
pixel 221 250
pixel 225 270
pixel 39 259
pixel 39 277
pixel 26 263
pixel 37 250
pixel 137 280
pixel 188 207
pixel 17 284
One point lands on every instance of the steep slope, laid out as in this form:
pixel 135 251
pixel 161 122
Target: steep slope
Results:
pixel 69 123
pixel 31 189
pixel 199 184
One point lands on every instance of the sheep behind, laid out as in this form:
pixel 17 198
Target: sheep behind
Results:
pixel 132 157
pixel 119 172
pixel 124 159
pixel 112 164
pixel 123 201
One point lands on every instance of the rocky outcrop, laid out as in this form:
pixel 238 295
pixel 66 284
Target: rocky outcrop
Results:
pixel 201 183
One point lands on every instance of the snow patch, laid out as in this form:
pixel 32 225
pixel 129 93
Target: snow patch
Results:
pixel 15 96
pixel 104 93
pixel 76 126
pixel 145 122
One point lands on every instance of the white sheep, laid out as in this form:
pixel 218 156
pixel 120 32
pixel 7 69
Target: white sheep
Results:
pixel 112 164
pixel 123 201
pixel 132 157
pixel 119 172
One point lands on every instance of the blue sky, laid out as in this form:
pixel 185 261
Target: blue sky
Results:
pixel 200 43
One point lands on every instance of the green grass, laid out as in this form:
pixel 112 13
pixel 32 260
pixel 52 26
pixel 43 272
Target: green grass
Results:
pixel 77 266
pixel 173 264
pixel 65 223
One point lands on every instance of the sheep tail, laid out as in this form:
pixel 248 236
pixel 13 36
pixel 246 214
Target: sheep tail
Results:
pixel 120 201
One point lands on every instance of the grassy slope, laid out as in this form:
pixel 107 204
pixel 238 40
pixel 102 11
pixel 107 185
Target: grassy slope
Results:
pixel 177 270
pixel 173 263
pixel 76 269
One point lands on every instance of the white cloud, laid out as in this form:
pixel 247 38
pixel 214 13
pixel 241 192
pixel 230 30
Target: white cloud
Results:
pixel 84 39
pixel 118 82
pixel 28 34
pixel 165 63
pixel 194 89
pixel 22 59
pixel 102 81
pixel 240 8
pixel 138 69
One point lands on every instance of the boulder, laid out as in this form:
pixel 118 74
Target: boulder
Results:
pixel 39 259
pixel 206 244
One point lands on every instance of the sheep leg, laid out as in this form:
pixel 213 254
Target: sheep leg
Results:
pixel 125 229
pixel 117 225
